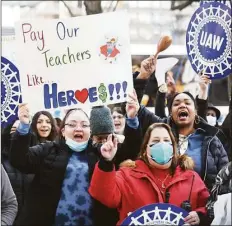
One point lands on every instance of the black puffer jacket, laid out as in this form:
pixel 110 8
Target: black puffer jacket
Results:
pixel 214 156
pixel 48 162
pixel 20 182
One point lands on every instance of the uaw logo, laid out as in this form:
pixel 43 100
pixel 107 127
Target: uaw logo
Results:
pixel 226 2
pixel 10 92
pixel 157 214
pixel 208 40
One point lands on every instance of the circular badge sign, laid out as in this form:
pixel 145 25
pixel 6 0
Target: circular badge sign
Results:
pixel 208 40
pixel 10 92
pixel 156 214
pixel 226 2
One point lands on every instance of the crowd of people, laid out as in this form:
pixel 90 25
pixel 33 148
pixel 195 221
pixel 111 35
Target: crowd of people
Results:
pixel 95 169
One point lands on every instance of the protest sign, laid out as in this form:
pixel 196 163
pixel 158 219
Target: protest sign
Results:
pixel 10 82
pixel 162 66
pixel 74 62
pixel 157 214
pixel 208 40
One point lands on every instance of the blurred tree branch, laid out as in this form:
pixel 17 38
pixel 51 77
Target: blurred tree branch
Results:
pixel 93 7
pixel 68 8
pixel 177 4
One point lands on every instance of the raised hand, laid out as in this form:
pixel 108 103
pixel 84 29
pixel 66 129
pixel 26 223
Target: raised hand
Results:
pixel 23 113
pixel 15 126
pixel 147 67
pixel 109 148
pixel 132 105
pixel 171 82
pixel 204 82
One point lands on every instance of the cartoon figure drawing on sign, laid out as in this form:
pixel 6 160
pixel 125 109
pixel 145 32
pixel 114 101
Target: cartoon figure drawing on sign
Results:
pixel 110 50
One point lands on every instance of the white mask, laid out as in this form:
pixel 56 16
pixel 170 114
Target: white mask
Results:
pixel 211 120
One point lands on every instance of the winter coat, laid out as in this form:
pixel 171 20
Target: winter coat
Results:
pixel 214 156
pixel 9 205
pixel 131 188
pixel 20 182
pixel 48 161
pixel 223 185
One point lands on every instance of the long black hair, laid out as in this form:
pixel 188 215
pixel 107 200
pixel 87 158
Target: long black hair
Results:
pixel 53 134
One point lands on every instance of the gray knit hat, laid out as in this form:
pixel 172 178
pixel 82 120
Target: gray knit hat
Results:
pixel 101 121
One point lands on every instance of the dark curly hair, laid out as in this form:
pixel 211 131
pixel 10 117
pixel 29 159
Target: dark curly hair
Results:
pixel 53 134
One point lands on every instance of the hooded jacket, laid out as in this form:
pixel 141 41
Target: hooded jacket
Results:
pixel 131 188
pixel 214 156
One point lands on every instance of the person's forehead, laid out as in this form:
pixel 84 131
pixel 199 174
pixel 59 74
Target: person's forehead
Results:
pixel 117 113
pixel 182 96
pixel 159 132
pixel 42 116
pixel 211 111
pixel 77 116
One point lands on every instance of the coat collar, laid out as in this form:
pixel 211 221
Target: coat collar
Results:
pixel 142 170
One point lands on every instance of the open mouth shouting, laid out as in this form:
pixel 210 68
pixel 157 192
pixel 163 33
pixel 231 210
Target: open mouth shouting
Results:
pixel 183 115
pixel 78 137
pixel 44 132
pixel 117 125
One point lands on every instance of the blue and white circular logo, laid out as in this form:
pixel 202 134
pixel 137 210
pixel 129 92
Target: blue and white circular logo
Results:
pixel 226 2
pixel 10 92
pixel 157 214
pixel 208 40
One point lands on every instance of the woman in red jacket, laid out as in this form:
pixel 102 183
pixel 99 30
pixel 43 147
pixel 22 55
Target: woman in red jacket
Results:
pixel 159 176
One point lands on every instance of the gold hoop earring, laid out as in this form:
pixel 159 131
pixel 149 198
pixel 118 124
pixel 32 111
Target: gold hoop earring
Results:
pixel 197 119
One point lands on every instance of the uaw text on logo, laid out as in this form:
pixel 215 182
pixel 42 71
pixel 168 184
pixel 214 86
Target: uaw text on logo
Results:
pixel 208 40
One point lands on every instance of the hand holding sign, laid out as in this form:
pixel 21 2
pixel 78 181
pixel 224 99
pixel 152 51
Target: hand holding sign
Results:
pixel 109 149
pixel 204 82
pixel 23 113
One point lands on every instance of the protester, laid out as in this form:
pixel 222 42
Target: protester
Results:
pixel 158 172
pixel 42 129
pixel 213 115
pixel 57 184
pixel 9 205
pixel 167 90
pixel 118 114
pixel 194 136
pixel 102 125
pixel 222 186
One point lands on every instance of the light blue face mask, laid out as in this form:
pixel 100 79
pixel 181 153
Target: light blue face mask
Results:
pixel 161 152
pixel 76 146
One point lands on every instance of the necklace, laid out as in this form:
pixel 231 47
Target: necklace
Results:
pixel 162 182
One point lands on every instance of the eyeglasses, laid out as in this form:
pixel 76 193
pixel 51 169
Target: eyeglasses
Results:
pixel 118 116
pixel 74 125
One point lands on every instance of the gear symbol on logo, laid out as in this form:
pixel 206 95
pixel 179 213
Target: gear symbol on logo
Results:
pixel 156 214
pixel 217 14
pixel 10 91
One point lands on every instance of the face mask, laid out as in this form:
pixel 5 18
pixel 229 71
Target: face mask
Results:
pixel 161 152
pixel 211 120
pixel 76 146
